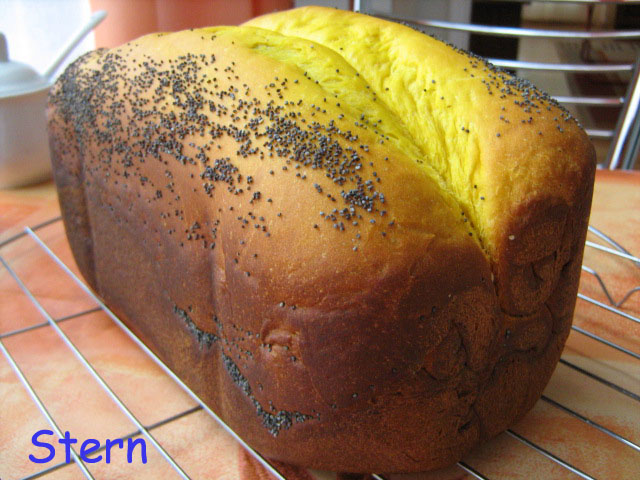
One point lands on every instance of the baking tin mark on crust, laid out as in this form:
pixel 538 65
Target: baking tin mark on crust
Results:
pixel 281 338
pixel 205 339
pixel 273 422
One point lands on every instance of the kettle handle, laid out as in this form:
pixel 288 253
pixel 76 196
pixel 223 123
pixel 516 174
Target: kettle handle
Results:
pixel 4 51
pixel 95 19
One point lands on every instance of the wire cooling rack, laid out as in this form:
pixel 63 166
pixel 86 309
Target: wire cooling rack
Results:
pixel 137 428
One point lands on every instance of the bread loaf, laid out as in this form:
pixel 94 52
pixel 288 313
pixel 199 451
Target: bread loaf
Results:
pixel 359 245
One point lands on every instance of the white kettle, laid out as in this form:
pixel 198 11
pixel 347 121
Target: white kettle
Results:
pixel 24 146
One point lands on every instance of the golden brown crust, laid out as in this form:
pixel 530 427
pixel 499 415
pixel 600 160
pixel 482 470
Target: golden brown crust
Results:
pixel 521 154
pixel 316 287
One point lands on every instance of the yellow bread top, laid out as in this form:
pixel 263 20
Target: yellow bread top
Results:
pixel 495 141
pixel 345 136
pixel 285 134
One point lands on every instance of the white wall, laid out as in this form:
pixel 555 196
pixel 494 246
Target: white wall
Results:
pixel 37 30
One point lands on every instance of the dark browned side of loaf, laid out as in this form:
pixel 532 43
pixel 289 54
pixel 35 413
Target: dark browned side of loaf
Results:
pixel 421 363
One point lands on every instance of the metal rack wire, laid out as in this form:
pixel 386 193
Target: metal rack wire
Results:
pixel 30 234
